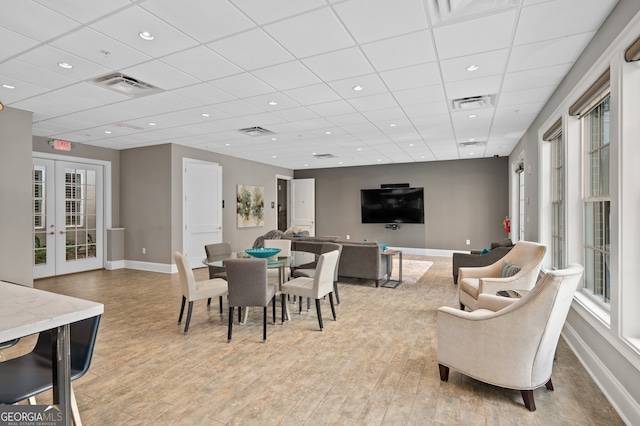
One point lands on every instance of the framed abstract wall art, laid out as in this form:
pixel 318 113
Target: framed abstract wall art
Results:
pixel 250 206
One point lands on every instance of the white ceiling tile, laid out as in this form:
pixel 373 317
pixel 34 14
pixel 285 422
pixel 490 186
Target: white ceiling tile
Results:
pixel 564 50
pixel 333 108
pixel 22 71
pixel 100 49
pixel 371 20
pixel 295 114
pixel 14 43
pixel 34 20
pixel 48 58
pixel 314 94
pixel 372 84
pixel 427 109
pixel 140 108
pixel 203 20
pixel 287 76
pixel 238 108
pixel 556 19
pixel 385 115
pixel 484 34
pixel 47 106
pixel 401 51
pixel 169 101
pixel 311 33
pixel 517 97
pixel 264 12
pixel 251 50
pixel 489 63
pixel 22 91
pixel 125 26
pixel 368 103
pixel 413 76
pixel 86 10
pixel 539 77
pixel 242 85
pixel 475 87
pixel 341 64
pixel 419 95
pixel 160 75
pixel 347 119
pixel 202 63
pixel 204 94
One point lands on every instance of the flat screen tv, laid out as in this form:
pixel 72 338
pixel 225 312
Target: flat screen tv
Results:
pixel 392 205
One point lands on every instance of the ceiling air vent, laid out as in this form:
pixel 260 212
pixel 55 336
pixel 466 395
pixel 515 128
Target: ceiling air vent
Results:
pixel 470 144
pixel 448 10
pixel 324 156
pixel 255 131
pixel 472 102
pixel 124 84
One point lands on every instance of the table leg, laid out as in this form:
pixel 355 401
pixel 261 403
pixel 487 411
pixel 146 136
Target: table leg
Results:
pixel 62 371
pixel 400 267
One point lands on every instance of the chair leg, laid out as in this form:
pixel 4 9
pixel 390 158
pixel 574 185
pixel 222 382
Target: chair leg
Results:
pixel 527 396
pixel 319 313
pixel 461 307
pixel 333 308
pixel 308 304
pixel 189 310
pixel 208 302
pixel 240 314
pixel 284 298
pixel 549 385
pixel 335 290
pixel 377 283
pixel 300 309
pixel 444 372
pixel 220 305
pixel 273 304
pixel 264 324
pixel 184 299
pixel 230 324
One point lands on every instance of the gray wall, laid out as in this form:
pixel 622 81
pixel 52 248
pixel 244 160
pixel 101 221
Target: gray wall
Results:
pixel 151 199
pixel 96 153
pixel 464 200
pixel 16 226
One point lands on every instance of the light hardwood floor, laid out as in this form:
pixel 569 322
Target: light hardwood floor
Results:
pixel 376 365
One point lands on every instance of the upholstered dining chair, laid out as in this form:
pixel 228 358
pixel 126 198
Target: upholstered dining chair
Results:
pixel 285 250
pixel 217 251
pixel 314 288
pixel 513 347
pixel 309 270
pixel 193 290
pixel 520 272
pixel 249 286
pixel 29 375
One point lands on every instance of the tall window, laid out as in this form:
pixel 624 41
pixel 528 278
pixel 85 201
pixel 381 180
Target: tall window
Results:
pixel 597 204
pixel 521 202
pixel 557 202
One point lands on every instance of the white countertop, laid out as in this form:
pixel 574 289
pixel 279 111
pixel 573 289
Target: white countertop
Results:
pixel 26 310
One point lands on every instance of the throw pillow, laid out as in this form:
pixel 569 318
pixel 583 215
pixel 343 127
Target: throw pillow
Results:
pixel 484 251
pixel 508 269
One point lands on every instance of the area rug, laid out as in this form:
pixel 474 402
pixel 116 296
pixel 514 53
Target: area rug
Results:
pixel 412 271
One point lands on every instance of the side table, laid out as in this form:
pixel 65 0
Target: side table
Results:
pixel 389 253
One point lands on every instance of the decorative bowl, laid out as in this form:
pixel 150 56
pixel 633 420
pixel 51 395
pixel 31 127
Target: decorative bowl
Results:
pixel 262 252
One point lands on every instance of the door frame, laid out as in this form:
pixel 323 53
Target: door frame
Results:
pixel 288 179
pixel 106 188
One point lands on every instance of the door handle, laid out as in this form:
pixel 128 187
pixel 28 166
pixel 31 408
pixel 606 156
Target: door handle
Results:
pixel 61 232
pixel 52 233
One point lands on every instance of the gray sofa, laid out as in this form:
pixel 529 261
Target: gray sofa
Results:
pixel 359 259
pixel 497 251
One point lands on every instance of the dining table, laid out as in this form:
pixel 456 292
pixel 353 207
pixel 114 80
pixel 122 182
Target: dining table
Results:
pixel 25 311
pixel 296 259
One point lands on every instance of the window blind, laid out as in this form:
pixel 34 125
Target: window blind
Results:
pixel 632 53
pixel 553 131
pixel 593 96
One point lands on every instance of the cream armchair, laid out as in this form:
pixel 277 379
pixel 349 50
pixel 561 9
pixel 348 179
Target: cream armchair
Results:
pixel 472 282
pixel 514 347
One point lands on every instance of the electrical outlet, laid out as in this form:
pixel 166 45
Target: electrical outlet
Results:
pixel 144 250
pixel 468 242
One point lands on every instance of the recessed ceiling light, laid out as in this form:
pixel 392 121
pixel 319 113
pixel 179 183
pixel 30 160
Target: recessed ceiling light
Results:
pixel 306 165
pixel 339 162
pixel 152 124
pixel 8 86
pixel 274 139
pixel 379 159
pixel 204 114
pixel 313 153
pixel 392 125
pixel 146 35
pixel 471 153
pixel 472 67
pixel 471 140
pixel 227 144
pixel 471 116
pixel 327 133
pixel 410 144
pixel 273 103
pixel 422 156
pixel 359 149
pixel 273 156
pixel 108 132
pixel 65 65
pixel 358 88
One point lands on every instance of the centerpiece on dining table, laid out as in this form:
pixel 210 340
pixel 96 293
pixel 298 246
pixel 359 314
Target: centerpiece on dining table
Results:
pixel 262 252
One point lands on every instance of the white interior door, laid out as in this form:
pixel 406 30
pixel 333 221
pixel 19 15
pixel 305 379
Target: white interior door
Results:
pixel 202 208
pixel 303 204
pixel 68 217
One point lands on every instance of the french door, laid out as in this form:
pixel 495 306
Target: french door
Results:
pixel 68 222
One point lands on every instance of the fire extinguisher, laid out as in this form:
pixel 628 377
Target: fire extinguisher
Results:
pixel 506 224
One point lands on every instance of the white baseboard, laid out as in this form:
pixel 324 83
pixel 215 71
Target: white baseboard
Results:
pixel 626 406
pixel 114 264
pixel 151 267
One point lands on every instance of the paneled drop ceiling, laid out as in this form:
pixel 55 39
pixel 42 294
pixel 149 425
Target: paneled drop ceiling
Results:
pixel 291 68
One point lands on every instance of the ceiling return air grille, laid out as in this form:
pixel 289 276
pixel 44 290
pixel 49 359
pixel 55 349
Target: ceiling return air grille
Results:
pixel 255 131
pixel 124 84
pixel 472 102
pixel 449 10
pixel 324 156
pixel 471 144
